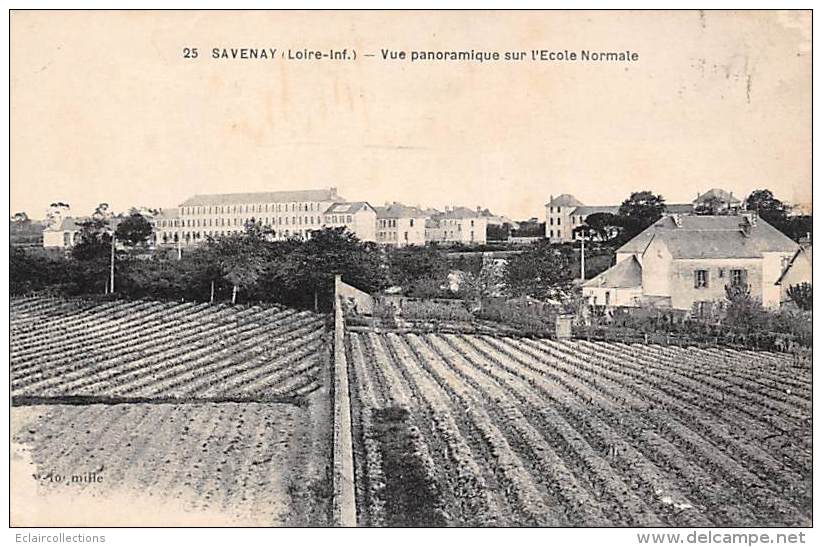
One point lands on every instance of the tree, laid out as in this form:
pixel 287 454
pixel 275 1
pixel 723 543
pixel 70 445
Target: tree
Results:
pixel 530 228
pixel 498 232
pixel 20 218
pixel 310 268
pixel 743 311
pixel 56 212
pixel 95 240
pixel 802 295
pixel 537 271
pixel 408 265
pixel 239 259
pixel 604 226
pixel 639 211
pixel 134 230
pixel 769 209
pixel 102 212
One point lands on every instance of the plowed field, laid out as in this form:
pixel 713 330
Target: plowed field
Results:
pixel 483 430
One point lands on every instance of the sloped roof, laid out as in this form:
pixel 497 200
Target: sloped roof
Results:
pixel 565 200
pixel 67 224
pixel 348 207
pixel 398 210
pixel 73 224
pixel 803 251
pixel 460 212
pixel 586 210
pixel 712 237
pixel 325 194
pixel 169 213
pixel 680 208
pixel 625 274
pixel 717 193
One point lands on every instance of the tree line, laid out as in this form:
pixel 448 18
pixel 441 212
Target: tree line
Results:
pixel 641 209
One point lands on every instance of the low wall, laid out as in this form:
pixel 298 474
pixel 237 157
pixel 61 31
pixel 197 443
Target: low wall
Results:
pixel 344 506
pixel 362 301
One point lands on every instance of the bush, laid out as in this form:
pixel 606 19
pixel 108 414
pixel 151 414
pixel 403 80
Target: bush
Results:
pixel 802 295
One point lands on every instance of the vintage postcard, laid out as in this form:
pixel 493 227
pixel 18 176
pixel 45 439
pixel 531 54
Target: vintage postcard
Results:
pixel 411 269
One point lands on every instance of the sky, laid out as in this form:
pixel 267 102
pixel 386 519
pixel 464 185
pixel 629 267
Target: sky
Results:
pixel 104 108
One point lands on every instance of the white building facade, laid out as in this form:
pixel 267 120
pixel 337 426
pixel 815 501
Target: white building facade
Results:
pixel 286 213
pixel 400 226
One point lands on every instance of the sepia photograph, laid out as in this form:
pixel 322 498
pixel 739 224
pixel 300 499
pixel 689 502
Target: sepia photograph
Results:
pixel 412 269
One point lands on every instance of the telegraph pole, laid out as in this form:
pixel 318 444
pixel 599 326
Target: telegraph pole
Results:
pixel 582 257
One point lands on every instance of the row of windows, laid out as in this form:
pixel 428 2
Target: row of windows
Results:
pixel 702 278
pixel 338 218
pixel 458 223
pixel 390 236
pixel 168 237
pixel 551 221
pixel 255 208
pixel 268 221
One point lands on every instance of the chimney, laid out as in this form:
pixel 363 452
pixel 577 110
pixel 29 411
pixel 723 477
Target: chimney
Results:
pixel 333 190
pixel 747 223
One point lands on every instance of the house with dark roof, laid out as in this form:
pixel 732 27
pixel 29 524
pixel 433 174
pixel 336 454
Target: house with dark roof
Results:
pixel 686 261
pixel 716 200
pixel 565 213
pixel 400 225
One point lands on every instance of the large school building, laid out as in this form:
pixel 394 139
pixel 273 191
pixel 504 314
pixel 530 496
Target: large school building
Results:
pixel 286 213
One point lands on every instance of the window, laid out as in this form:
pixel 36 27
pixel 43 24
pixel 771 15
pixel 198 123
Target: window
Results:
pixel 607 298
pixel 551 221
pixel 558 221
pixel 721 273
pixel 551 233
pixel 700 279
pixel 348 219
pixel 739 277
pixel 411 222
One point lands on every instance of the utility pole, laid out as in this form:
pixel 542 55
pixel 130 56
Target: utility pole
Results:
pixel 211 300
pixel 179 248
pixel 111 283
pixel 582 257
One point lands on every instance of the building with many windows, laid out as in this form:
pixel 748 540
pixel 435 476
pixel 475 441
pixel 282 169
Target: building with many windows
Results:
pixel 565 213
pixel 286 213
pixel 358 216
pixel 168 227
pixel 685 262
pixel 399 225
pixel 457 225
